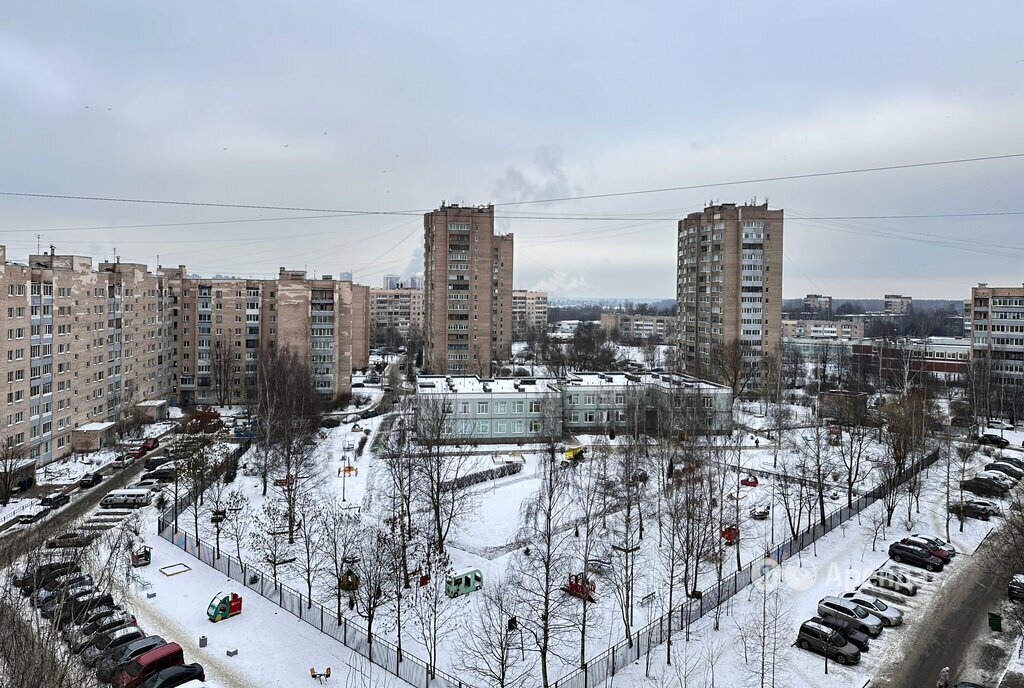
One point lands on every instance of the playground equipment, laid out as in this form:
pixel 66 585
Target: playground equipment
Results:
pixel 350 581
pixel 142 557
pixel 749 481
pixel 582 587
pixel 224 606
pixel 759 513
pixel 320 676
pixel 731 534
pixel 574 453
pixel 461 583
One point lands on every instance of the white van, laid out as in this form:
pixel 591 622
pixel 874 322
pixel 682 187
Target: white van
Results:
pixel 131 499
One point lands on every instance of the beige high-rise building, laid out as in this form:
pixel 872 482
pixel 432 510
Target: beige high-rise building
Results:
pixel 529 312
pixel 997 332
pixel 467 291
pixel 393 314
pixel 729 288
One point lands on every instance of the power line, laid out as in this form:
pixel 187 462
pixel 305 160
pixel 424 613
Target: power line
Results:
pixel 691 187
pixel 780 178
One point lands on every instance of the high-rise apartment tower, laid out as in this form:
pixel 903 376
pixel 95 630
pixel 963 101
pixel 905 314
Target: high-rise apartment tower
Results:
pixel 467 296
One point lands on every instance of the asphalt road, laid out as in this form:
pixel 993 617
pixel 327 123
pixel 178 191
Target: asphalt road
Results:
pixel 958 617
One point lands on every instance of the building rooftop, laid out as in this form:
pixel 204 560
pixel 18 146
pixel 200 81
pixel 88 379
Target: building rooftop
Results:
pixel 93 427
pixel 153 402
pixel 471 384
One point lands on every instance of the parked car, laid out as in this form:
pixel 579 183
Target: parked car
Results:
pixel 997 477
pixel 123 461
pixel 46 573
pixel 175 676
pixel 72 538
pixel 151 485
pixel 33 515
pixel 893 580
pixel 968 510
pixel 54 500
pixel 1006 468
pixel 1013 461
pixel 983 488
pixel 992 507
pixel 154 462
pixel 843 627
pixel 64 585
pixel 88 622
pixel 165 475
pixel 890 616
pixel 83 636
pixel 939 553
pixel 140 668
pixel 936 542
pixel 81 607
pixel 819 638
pixel 848 611
pixel 993 440
pixel 57 604
pixel 1015 590
pixel 90 480
pixel 108 667
pixel 330 422
pixel 53 561
pixel 915 556
pixel 108 642
pixel 999 425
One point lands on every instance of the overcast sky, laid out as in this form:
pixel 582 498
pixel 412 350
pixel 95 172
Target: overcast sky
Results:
pixel 382 106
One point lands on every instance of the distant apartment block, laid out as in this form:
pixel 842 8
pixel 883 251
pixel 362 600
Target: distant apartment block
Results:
pixel 392 281
pixel 394 313
pixel 823 328
pixel 416 282
pixel 816 303
pixel 467 297
pixel 631 326
pixel 529 312
pixel 946 358
pixel 997 332
pixel 729 285
pixel 897 304
pixel 513 410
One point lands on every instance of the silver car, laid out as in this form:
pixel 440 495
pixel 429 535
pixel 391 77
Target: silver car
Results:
pixel 848 611
pixel 893 580
pixel 890 616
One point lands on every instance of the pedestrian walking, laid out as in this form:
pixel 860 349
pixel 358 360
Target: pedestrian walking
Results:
pixel 943 681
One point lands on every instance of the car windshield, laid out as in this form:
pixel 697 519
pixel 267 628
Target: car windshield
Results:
pixel 861 614
pixel 838 640
pixel 879 605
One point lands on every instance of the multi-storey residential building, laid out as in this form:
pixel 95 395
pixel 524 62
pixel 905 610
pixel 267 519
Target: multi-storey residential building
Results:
pixel 394 313
pixel 467 290
pixel 905 361
pixel 535 409
pixel 823 328
pixel 632 326
pixel 529 312
pixel 729 286
pixel 997 332
pixel 223 324
pixel 82 345
pixel 816 303
pixel 360 326
pixel 416 282
pixel 897 304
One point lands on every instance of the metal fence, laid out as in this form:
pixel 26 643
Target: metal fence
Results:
pixel 407 667
pixel 602 667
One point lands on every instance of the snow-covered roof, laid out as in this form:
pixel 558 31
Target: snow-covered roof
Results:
pixel 471 384
pixel 153 402
pixel 94 427
pixel 664 380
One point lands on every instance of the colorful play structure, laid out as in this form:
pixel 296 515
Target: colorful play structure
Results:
pixel 224 606
pixel 749 481
pixel 582 587
pixel 462 583
pixel 320 676
pixel 142 557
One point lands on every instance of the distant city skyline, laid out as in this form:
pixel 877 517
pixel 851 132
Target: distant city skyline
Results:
pixel 228 104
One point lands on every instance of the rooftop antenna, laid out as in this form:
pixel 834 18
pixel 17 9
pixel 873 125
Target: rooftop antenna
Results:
pixel 38 239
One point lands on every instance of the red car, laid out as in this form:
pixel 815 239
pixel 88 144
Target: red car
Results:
pixel 147 446
pixel 921 543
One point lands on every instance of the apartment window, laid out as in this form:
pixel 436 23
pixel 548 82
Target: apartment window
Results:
pixel 534 426
pixel 590 417
pixel 589 399
pixel 517 427
pixel 620 398
pixel 481 407
pixel 534 407
pixel 500 427
pixel 518 406
pixel 483 427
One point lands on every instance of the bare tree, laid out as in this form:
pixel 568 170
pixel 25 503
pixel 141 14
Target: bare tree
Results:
pixel 375 569
pixel 12 463
pixel 441 465
pixel 222 368
pixel 238 520
pixel 433 611
pixel 341 534
pixel 539 567
pixel 312 541
pixel 267 536
pixel 766 635
pixel 493 651
pixel 816 460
